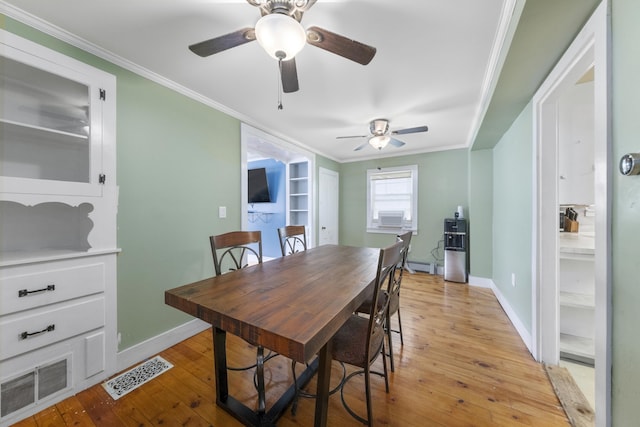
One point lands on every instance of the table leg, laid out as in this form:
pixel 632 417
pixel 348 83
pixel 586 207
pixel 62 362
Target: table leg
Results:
pixel 322 392
pixel 220 364
pixel 260 378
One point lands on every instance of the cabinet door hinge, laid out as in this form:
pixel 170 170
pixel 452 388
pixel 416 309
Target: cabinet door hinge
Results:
pixel 102 178
pixel 103 94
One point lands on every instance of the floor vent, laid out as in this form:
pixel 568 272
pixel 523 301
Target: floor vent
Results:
pixel 135 377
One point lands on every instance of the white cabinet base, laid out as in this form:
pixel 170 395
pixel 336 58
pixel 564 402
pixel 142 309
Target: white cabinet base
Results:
pixel 39 370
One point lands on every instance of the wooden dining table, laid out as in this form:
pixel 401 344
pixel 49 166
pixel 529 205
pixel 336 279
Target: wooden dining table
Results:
pixel 291 305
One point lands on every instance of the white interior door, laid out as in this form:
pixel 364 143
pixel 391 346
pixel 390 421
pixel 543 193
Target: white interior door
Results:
pixel 328 193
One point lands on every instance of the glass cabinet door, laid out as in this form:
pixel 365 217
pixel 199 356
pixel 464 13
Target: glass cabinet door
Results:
pixel 45 124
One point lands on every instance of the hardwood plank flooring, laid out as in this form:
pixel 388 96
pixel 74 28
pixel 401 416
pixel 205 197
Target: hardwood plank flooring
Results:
pixel 462 364
pixel 575 404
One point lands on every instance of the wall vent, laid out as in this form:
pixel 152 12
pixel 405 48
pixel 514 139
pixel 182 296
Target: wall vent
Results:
pixel 31 387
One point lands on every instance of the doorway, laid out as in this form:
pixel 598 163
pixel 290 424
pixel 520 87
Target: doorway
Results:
pixel 576 244
pixel 587 52
pixel 290 174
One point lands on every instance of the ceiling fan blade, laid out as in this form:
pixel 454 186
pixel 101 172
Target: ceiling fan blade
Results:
pixel 352 136
pixel 360 147
pixel 410 130
pixel 289 76
pixel 396 142
pixel 340 45
pixel 218 44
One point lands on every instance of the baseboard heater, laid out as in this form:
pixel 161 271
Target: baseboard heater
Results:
pixel 425 267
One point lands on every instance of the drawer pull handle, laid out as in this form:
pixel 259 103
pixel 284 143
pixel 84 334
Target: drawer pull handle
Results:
pixel 24 292
pixel 25 334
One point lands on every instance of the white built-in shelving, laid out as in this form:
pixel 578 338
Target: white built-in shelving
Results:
pixel 298 208
pixel 58 202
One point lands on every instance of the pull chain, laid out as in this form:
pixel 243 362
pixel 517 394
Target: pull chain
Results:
pixel 280 84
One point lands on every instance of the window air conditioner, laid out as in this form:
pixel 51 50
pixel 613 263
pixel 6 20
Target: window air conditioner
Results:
pixel 392 219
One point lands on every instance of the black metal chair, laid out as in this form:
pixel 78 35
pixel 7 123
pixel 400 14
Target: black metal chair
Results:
pixel 394 297
pixel 231 252
pixel 360 340
pixel 293 238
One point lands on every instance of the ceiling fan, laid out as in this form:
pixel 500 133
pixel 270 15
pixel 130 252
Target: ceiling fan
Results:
pixel 379 137
pixel 280 33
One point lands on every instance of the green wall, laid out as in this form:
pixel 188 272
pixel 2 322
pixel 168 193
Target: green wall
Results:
pixel 512 214
pixel 178 160
pixel 442 186
pixel 626 214
pixel 481 213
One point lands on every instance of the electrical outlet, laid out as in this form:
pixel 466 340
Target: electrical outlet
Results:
pixel 513 279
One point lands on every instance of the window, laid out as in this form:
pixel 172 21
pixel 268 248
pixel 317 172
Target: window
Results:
pixel 392 199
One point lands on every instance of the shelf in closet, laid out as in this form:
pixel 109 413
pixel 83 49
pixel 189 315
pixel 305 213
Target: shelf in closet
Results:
pixel 577 300
pixel 577 348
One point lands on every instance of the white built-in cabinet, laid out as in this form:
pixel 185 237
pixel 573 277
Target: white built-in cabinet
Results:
pixel 58 204
pixel 298 180
pixel 577 297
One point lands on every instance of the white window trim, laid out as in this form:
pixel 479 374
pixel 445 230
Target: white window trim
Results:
pixel 412 225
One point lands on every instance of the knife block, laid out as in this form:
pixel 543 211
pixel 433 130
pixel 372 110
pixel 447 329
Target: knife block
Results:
pixel 570 226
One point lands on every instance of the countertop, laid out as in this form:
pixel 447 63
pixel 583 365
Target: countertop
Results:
pixel 577 243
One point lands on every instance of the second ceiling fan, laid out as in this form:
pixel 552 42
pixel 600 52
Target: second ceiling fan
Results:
pixel 379 137
pixel 280 33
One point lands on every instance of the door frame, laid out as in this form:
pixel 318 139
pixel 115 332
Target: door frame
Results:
pixel 590 47
pixel 254 139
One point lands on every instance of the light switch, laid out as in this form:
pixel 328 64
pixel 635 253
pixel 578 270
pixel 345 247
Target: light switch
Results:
pixel 222 212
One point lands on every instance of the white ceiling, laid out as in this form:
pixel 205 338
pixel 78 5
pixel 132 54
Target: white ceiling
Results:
pixel 435 64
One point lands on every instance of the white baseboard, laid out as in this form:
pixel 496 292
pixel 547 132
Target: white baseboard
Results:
pixel 525 335
pixel 146 349
pixel 480 282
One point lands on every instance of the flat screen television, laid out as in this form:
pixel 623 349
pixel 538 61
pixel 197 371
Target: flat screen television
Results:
pixel 258 186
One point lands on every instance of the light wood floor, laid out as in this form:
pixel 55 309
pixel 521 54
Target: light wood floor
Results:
pixel 462 364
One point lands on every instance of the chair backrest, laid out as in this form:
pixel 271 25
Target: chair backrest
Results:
pixel 389 261
pixel 406 242
pixel 394 289
pixel 293 238
pixel 230 250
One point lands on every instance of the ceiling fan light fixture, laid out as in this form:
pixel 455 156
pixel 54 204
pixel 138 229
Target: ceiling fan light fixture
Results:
pixel 379 141
pixel 280 35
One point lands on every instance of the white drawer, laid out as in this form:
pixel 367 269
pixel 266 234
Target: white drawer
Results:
pixel 25 291
pixel 26 333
